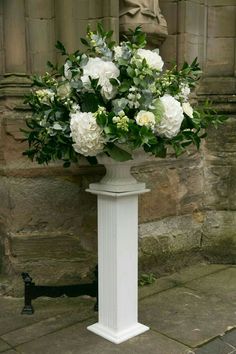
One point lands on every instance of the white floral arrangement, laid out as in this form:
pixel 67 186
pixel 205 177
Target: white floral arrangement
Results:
pixel 114 99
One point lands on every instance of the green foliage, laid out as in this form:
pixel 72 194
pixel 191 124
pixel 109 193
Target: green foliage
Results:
pixel 61 48
pixel 146 279
pixel 66 91
pixel 117 153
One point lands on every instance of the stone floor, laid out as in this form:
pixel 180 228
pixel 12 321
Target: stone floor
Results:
pixel 193 311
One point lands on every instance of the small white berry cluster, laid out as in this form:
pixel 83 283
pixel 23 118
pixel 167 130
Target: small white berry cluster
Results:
pixel 122 121
pixel 133 98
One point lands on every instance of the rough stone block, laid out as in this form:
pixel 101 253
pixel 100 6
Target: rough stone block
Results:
pixel 168 50
pixel 220 57
pixel 217 86
pixel 112 23
pixel 169 187
pixel 217 187
pixel 191 17
pixel 41 9
pixel 39 61
pixel 83 9
pixel 171 234
pixel 190 46
pixel 111 8
pixel 221 21
pixel 95 9
pixel 219 236
pixel 169 10
pixel 42 36
pixel 221 2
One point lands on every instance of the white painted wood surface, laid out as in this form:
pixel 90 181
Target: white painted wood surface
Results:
pixel 118 256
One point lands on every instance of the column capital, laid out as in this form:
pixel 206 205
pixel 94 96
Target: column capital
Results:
pixel 116 194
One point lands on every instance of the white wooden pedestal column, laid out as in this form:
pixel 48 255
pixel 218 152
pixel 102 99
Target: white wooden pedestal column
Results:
pixel 118 256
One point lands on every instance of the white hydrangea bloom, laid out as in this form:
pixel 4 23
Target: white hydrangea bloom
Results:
pixel 145 118
pixel 188 109
pixel 96 68
pixel 153 59
pixel 86 134
pixel 118 52
pixel 184 92
pixel 170 123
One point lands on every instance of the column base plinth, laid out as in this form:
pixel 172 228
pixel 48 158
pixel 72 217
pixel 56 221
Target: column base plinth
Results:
pixel 117 337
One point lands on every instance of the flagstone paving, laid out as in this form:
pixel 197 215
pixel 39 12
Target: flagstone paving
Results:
pixel 192 311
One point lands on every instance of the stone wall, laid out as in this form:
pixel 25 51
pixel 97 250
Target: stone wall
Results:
pixel 207 29
pixel 47 220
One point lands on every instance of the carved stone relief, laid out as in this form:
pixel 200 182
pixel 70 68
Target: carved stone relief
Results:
pixel 146 13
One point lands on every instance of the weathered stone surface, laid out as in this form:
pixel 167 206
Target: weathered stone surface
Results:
pixel 4 346
pixel 40 8
pixel 45 308
pixel 217 346
pixel 221 22
pixel 219 238
pixel 50 325
pixel 179 278
pixel 184 314
pixel 68 339
pixel 173 183
pixel 181 314
pixel 195 272
pixel 220 60
pixel 230 338
pixel 218 283
pixel 170 235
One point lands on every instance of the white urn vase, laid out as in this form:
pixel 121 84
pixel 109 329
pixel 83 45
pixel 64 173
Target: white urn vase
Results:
pixel 118 250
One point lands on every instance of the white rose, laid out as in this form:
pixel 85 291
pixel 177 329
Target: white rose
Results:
pixel 96 68
pixel 64 90
pixel 153 59
pixel 67 71
pixel 145 118
pixel 170 124
pixel 86 134
pixel 188 109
